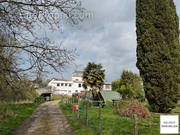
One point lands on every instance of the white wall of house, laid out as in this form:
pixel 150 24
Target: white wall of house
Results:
pixel 68 87
pixel 107 86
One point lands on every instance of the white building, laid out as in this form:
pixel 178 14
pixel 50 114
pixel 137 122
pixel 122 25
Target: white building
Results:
pixel 68 87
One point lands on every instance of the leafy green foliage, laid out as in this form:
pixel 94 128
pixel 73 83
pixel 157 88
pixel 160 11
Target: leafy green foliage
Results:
pixel 20 90
pixel 116 84
pixel 93 76
pixel 38 100
pixel 129 83
pixel 126 91
pixel 135 81
pixel 158 52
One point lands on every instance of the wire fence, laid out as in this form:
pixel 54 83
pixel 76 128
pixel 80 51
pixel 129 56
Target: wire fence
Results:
pixel 100 115
pixel 81 107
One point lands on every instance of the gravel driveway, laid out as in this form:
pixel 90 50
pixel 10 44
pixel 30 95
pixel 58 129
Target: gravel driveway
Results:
pixel 47 119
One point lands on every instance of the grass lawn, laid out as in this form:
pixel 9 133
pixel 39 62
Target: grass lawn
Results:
pixel 12 115
pixel 112 124
pixel 56 98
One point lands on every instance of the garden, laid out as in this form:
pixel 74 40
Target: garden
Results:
pixel 112 122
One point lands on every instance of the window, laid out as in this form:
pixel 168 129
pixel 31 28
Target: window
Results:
pixel 79 85
pixel 107 86
pixel 69 91
pixel 70 85
pixel 76 91
pixel 62 84
pixel 58 84
pixel 65 84
pixel 77 80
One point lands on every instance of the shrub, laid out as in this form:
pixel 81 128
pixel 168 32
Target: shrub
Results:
pixel 120 105
pixel 129 86
pixel 146 104
pixel 130 107
pixel 38 100
pixel 134 107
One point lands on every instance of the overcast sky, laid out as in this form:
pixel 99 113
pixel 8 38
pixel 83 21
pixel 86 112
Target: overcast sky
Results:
pixel 109 38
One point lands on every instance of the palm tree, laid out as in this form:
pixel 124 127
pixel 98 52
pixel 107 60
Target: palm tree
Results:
pixel 93 77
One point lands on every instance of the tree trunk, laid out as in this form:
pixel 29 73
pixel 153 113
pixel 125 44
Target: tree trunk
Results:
pixel 135 124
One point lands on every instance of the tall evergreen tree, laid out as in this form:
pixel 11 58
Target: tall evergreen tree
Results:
pixel 158 52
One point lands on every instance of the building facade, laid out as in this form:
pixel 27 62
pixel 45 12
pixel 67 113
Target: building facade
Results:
pixel 69 87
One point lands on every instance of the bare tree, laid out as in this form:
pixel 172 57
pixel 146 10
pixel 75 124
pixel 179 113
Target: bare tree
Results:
pixel 19 20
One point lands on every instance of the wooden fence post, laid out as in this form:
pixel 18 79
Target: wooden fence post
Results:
pixel 78 109
pixel 135 124
pixel 86 112
pixel 100 124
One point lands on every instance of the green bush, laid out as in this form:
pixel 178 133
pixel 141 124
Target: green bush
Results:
pixel 146 104
pixel 38 100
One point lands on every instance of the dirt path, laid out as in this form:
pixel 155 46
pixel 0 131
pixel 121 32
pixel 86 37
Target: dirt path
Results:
pixel 46 120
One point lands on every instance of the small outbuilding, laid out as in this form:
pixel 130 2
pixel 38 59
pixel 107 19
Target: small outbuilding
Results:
pixel 111 96
pixel 45 93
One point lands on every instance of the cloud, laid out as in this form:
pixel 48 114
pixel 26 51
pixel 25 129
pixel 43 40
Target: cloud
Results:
pixel 109 38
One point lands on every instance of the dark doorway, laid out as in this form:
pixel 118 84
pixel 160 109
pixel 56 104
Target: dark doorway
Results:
pixel 47 96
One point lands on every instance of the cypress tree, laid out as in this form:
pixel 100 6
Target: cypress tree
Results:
pixel 158 52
